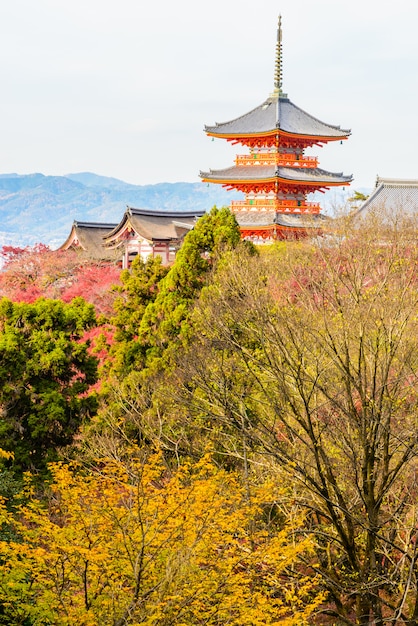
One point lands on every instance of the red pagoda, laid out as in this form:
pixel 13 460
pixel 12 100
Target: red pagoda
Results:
pixel 276 176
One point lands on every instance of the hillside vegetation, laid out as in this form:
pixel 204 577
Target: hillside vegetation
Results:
pixel 232 440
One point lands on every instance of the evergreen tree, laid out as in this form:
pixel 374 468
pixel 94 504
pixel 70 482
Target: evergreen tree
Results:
pixel 152 326
pixel 165 320
pixel 45 373
pixel 140 286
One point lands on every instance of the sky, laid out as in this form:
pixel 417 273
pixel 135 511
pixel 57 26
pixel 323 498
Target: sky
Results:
pixel 124 88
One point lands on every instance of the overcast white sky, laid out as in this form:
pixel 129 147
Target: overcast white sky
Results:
pixel 123 88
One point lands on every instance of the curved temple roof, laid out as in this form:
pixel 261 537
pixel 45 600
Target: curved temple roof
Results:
pixel 254 219
pixel 155 225
pixel 278 113
pixel 315 176
pixel 89 237
pixel 392 195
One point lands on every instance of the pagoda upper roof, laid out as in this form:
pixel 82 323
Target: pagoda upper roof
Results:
pixel 277 113
pixel 88 237
pixel 154 225
pixel 251 173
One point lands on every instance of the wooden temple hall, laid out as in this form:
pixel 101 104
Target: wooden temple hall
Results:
pixel 276 176
pixel 142 232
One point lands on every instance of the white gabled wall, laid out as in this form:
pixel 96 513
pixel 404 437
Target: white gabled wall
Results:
pixel 138 245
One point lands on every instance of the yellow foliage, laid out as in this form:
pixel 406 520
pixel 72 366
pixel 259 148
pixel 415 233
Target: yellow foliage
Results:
pixel 6 455
pixel 130 545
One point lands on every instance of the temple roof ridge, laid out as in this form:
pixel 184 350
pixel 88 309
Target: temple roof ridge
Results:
pixel 267 101
pixel 316 171
pixel 267 177
pixel 262 171
pixel 159 213
pixel 88 238
pixel 104 225
pixel 396 182
pixel 391 195
pixel 153 225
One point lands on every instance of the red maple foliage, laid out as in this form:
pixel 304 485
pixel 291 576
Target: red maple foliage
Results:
pixel 33 272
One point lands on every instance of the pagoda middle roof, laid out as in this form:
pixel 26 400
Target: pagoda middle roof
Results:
pixel 253 173
pixel 277 112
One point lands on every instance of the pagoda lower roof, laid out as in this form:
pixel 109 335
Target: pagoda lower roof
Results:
pixel 154 225
pixel 277 113
pixel 271 173
pixel 264 219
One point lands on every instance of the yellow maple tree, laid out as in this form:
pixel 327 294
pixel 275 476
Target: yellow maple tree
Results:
pixel 138 544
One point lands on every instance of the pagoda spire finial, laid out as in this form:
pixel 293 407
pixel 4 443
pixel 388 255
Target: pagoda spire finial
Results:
pixel 278 71
pixel 278 68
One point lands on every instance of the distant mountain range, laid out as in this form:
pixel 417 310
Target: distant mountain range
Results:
pixel 35 208
pixel 41 209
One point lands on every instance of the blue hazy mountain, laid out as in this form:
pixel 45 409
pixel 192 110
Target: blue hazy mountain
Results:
pixel 35 208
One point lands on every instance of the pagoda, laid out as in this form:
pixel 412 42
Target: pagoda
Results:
pixel 276 176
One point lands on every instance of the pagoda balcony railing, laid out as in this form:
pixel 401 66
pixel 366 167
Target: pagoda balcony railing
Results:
pixel 276 158
pixel 271 204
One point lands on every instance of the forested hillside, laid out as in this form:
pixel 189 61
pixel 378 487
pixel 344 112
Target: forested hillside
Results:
pixel 232 440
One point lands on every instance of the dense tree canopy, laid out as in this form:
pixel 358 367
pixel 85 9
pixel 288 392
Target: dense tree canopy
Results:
pixel 45 372
pixel 254 454
pixel 152 322
pixel 311 355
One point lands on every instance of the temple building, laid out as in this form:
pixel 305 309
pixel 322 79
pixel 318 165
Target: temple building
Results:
pixel 142 232
pixel 391 196
pixel 150 233
pixel 276 176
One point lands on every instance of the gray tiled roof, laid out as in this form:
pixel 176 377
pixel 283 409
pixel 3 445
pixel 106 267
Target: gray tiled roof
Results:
pixel 253 219
pixel 263 172
pixel 301 221
pixel 157 225
pixel 392 195
pixel 277 112
pixel 90 237
pixel 241 172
